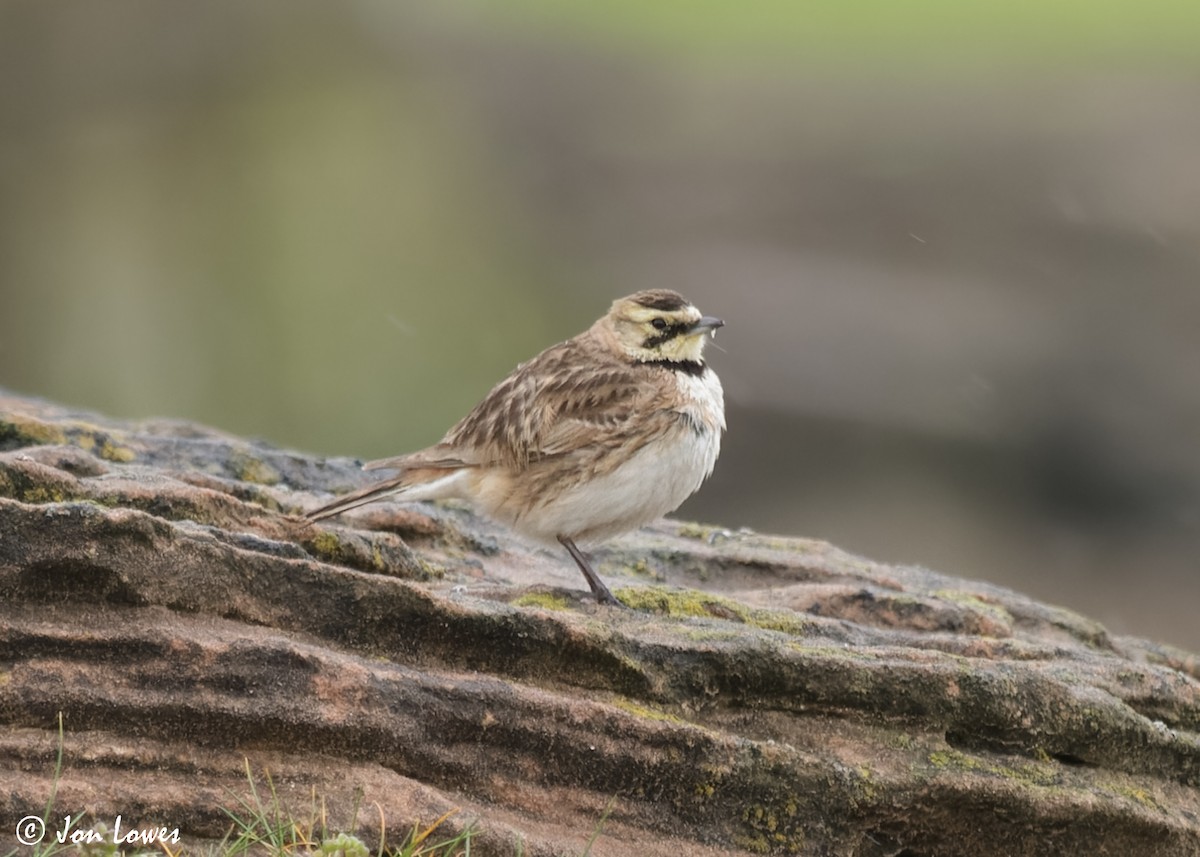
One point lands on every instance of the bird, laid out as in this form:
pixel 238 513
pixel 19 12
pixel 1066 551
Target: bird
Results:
pixel 593 437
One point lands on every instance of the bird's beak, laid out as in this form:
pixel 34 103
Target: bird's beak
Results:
pixel 707 324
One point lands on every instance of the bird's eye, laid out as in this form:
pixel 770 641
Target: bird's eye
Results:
pixel 659 324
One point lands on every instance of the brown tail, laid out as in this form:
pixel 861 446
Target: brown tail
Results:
pixel 360 497
pixel 416 469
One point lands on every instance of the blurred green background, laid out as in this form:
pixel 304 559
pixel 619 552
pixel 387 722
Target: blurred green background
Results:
pixel 957 245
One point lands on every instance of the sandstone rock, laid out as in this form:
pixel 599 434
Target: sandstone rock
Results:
pixel 763 696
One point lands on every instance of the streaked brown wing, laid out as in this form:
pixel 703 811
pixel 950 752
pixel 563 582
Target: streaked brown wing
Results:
pixel 570 397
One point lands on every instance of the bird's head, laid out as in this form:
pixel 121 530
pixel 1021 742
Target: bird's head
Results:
pixel 657 325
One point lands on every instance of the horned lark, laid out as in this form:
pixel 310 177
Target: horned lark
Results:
pixel 595 436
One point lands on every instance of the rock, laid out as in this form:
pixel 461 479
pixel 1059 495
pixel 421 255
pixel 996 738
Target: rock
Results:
pixel 763 696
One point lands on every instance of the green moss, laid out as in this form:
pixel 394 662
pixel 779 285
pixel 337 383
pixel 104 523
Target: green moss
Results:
pixel 429 570
pixel 712 778
pixel 953 759
pixel 641 568
pixel 866 787
pixel 755 844
pixel 974 602
pixel 545 600
pixel 110 451
pixel 686 602
pixel 645 713
pixel 1133 793
pixel 772 829
pixel 1081 628
pixel 22 431
pixel 43 494
pixel 1033 773
pixel 19 485
pixel 248 468
pixel 19 430
pixel 694 531
pixel 374 555
pixel 325 545
pixel 693 603
pixel 843 653
pixel 779 620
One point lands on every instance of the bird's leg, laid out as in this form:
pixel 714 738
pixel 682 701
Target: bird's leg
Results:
pixel 598 588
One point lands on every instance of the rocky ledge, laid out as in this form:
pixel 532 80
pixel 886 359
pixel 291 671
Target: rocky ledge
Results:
pixel 763 695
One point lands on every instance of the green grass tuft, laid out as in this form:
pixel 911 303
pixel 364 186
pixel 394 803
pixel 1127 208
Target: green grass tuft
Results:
pixel 262 826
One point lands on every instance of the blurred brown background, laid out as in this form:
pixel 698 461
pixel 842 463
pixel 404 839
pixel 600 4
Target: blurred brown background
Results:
pixel 957 245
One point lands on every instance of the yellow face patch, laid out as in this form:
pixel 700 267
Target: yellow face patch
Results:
pixel 686 347
pixel 657 326
pixel 649 334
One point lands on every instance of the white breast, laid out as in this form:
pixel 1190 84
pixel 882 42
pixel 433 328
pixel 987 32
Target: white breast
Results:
pixel 652 483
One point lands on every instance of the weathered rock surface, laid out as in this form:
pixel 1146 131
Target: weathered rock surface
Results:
pixel 764 695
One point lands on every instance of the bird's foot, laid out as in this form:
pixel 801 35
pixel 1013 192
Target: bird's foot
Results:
pixel 604 595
